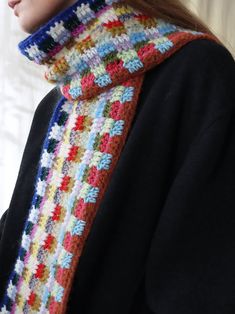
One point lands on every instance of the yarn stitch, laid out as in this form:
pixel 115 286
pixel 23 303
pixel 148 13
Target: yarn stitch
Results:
pixel 96 52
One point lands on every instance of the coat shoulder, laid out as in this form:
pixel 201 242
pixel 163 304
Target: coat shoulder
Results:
pixel 198 56
pixel 200 73
pixel 200 53
pixel 48 102
pixel 190 90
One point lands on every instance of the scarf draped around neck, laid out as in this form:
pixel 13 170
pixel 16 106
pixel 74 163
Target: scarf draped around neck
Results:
pixel 96 52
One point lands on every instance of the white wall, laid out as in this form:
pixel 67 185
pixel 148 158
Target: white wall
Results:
pixel 21 88
pixel 219 15
pixel 22 84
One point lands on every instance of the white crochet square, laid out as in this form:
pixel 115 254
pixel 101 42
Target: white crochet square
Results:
pixel 99 70
pixel 3 310
pixel 56 132
pixel 59 33
pixel 72 120
pixel 67 107
pixel 26 240
pixel 11 291
pixel 19 267
pixel 33 216
pixel 122 43
pixel 56 178
pixel 88 155
pixel 32 264
pixel 83 138
pixel 84 13
pixel 34 52
pixel 96 159
pixel 117 93
pixel 64 150
pixel 41 187
pixel 84 190
pixel 108 16
pixel 47 159
pixel 97 124
pixel 92 58
pixel 40 235
pixel 48 207
pixel 26 290
pixel 107 126
pixel 71 223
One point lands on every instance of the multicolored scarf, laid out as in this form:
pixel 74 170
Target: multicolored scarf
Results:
pixel 97 52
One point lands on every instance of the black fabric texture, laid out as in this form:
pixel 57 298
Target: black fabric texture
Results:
pixel 163 239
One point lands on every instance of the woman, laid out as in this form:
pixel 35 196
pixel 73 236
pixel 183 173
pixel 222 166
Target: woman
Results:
pixel 125 194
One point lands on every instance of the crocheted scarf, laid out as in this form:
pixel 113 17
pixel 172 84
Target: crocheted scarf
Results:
pixel 96 52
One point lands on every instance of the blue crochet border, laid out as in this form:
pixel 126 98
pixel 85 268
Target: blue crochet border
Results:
pixel 6 301
pixel 68 14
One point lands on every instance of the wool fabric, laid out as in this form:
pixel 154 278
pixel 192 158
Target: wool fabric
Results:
pixel 96 52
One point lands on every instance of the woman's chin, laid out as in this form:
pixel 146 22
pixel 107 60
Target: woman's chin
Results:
pixel 29 26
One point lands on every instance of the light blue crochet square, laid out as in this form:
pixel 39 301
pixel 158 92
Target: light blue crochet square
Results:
pixel 80 172
pixel 81 67
pixel 127 94
pixel 109 2
pixel 133 65
pixel 78 227
pixel 137 37
pixel 91 141
pixel 103 80
pixel 59 294
pixel 61 237
pixel 117 128
pixel 70 203
pixel 45 295
pixel 165 29
pixel 164 46
pixel 105 49
pixel 52 268
pixel 105 162
pixel 100 109
pixel 12 291
pixel 66 260
pixel 75 92
pixel 91 195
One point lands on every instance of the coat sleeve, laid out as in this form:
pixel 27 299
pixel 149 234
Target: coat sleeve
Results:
pixel 190 267
pixel 2 222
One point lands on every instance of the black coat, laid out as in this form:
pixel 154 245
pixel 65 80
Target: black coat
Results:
pixel 163 239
